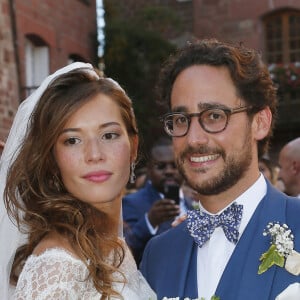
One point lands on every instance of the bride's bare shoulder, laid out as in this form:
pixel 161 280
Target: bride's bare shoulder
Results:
pixel 54 240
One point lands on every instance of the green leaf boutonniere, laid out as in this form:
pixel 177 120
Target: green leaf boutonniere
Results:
pixel 282 244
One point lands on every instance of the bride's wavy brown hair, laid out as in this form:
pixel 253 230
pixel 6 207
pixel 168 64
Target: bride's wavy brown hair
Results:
pixel 35 196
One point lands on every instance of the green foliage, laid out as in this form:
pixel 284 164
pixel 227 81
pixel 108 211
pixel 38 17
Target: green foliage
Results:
pixel 287 80
pixel 270 258
pixel 133 54
pixel 163 19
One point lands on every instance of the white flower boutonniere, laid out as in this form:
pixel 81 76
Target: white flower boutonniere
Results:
pixel 281 250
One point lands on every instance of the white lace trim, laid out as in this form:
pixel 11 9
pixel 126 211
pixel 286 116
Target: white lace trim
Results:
pixel 57 274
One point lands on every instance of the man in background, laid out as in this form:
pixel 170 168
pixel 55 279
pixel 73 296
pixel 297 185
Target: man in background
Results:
pixel 289 163
pixel 149 211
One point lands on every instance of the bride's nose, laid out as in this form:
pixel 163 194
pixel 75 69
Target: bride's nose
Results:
pixel 94 150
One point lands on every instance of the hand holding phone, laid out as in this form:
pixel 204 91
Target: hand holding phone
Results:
pixel 172 192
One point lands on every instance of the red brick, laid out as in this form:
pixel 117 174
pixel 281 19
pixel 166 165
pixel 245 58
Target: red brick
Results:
pixel 66 27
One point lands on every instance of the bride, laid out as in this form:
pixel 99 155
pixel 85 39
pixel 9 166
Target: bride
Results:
pixel 67 160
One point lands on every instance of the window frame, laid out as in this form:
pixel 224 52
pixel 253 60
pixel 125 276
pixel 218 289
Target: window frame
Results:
pixel 285 36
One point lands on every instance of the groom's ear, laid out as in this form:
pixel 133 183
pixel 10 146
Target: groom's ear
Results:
pixel 261 123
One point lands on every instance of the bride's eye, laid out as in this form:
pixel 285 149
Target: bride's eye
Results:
pixel 110 136
pixel 72 141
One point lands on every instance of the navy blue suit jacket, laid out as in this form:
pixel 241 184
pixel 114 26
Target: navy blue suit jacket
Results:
pixel 170 260
pixel 136 231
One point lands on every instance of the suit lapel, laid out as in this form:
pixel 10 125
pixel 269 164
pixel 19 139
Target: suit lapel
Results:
pixel 190 287
pixel 240 279
pixel 181 276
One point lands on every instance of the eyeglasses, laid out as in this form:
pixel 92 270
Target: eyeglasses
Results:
pixel 163 165
pixel 212 120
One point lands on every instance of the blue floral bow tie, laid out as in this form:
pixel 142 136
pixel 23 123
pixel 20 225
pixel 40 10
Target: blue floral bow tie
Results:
pixel 202 225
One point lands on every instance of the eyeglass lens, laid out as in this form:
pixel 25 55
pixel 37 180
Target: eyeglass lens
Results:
pixel 212 120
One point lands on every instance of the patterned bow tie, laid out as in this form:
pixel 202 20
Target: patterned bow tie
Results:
pixel 202 225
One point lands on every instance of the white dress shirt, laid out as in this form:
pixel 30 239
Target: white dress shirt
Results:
pixel 213 257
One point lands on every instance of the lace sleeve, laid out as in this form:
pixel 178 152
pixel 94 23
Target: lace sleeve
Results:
pixel 57 275
pixel 54 274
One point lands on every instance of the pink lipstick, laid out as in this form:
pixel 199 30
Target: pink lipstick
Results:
pixel 98 176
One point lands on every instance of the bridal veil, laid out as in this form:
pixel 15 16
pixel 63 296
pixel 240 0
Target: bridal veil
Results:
pixel 10 237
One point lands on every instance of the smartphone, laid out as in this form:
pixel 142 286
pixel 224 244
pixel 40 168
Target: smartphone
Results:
pixel 172 192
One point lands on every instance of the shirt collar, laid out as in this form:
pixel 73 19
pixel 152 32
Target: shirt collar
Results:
pixel 249 199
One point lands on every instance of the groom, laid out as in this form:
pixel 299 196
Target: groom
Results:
pixel 222 104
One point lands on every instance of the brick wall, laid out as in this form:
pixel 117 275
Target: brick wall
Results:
pixel 235 20
pixel 8 75
pixel 66 26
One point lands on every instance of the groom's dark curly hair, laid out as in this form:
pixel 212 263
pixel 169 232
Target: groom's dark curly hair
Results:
pixel 248 73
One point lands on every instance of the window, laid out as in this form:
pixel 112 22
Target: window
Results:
pixel 36 62
pixel 282 31
pixel 282 53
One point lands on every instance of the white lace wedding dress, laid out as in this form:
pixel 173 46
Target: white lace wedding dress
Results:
pixel 56 274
